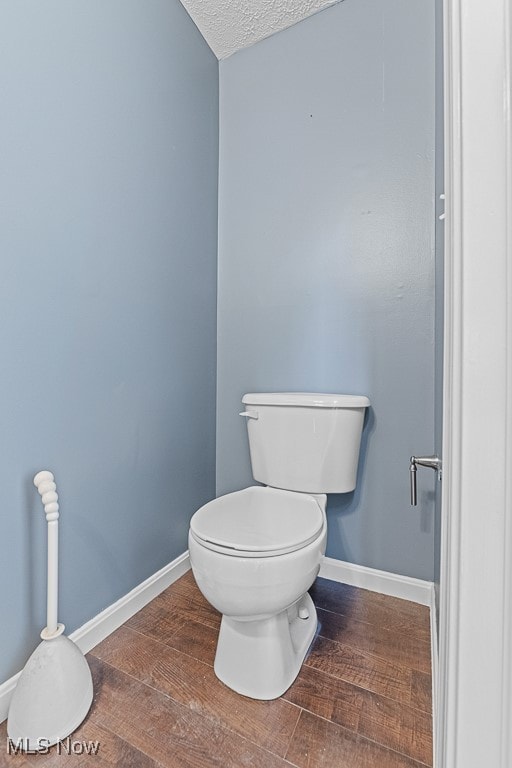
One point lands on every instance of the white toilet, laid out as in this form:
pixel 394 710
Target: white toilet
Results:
pixel 255 553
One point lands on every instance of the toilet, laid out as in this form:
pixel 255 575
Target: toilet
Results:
pixel 254 553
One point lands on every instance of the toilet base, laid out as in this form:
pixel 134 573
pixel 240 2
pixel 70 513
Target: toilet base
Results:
pixel 262 658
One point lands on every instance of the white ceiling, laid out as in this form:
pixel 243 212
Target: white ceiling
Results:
pixel 228 25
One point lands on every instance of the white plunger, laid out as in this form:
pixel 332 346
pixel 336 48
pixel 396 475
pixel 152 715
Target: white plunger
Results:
pixel 54 691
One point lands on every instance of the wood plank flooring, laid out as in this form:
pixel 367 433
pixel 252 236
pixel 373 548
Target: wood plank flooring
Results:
pixel 361 700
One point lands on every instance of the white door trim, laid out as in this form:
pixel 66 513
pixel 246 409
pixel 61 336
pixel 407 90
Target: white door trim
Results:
pixel 475 669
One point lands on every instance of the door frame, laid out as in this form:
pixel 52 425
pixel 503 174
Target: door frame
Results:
pixel 474 702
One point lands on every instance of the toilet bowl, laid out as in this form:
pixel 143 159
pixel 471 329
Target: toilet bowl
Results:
pixel 266 570
pixel 260 585
pixel 255 552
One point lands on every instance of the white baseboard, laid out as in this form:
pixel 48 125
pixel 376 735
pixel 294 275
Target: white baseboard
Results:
pixel 102 625
pixel 392 584
pixel 98 628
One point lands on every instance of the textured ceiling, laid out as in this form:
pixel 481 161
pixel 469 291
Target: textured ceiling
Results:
pixel 228 25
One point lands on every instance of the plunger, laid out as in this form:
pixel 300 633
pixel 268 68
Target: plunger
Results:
pixel 54 692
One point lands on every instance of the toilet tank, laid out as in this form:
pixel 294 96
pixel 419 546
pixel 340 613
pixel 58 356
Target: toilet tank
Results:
pixel 303 441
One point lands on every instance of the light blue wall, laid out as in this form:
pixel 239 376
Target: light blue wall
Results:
pixel 108 226
pixel 326 252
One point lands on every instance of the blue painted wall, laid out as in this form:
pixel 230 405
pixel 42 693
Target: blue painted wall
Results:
pixel 108 227
pixel 326 253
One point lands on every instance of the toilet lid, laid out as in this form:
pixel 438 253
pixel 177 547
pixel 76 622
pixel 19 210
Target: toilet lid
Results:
pixel 259 521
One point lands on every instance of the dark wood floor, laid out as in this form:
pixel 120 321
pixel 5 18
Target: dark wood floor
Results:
pixel 362 698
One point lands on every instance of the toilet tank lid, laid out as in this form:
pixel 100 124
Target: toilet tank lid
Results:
pixel 308 399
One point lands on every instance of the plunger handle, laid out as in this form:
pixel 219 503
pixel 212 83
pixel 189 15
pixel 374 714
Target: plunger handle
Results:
pixel 44 482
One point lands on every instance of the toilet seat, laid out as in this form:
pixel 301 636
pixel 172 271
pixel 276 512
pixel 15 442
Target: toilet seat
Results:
pixel 258 522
